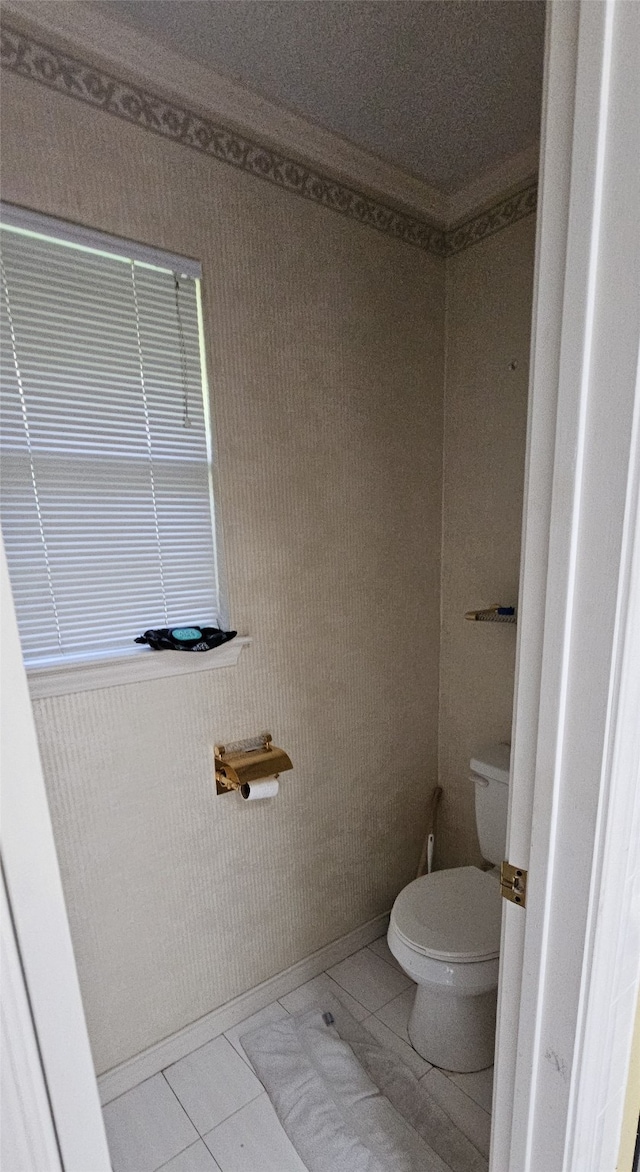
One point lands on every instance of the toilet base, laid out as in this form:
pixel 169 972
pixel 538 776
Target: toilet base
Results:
pixel 453 1032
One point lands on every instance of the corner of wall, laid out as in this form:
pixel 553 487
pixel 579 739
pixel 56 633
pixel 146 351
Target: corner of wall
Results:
pixel 488 293
pixel 445 369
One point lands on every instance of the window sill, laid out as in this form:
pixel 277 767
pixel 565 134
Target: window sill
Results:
pixel 131 669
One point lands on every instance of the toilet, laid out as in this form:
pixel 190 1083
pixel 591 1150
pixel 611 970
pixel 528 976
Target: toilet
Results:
pixel 445 933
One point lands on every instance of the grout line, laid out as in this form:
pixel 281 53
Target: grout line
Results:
pixel 191 1145
pixel 360 1003
pixel 181 1104
pixel 477 1105
pixel 194 1051
pixel 390 964
pixel 402 1038
pixel 394 998
pixel 103 1106
pixel 236 1112
pixel 409 989
pixel 243 1056
pixel 241 1053
pixel 337 982
pixel 450 1074
pixel 262 1091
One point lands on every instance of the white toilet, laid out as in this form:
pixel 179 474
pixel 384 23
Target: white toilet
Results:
pixel 445 932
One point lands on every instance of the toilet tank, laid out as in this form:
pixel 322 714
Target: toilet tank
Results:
pixel 490 773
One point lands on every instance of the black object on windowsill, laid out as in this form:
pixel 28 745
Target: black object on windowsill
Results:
pixel 186 638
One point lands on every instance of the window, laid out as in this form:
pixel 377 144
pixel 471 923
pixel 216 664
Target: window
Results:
pixel 106 499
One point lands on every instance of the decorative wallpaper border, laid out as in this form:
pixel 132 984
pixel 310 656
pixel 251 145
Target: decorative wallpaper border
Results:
pixel 29 58
pixel 507 211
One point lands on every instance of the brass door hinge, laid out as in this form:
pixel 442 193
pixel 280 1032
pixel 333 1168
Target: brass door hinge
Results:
pixel 513 882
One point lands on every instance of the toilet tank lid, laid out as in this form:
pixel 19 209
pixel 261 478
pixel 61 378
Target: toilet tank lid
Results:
pixel 492 762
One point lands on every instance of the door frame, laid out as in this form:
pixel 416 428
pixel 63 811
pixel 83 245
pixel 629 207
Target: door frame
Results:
pixel 570 966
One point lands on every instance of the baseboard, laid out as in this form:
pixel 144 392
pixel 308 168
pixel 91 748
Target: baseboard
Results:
pixel 122 1078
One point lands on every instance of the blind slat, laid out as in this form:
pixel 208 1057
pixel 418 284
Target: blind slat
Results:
pixel 105 505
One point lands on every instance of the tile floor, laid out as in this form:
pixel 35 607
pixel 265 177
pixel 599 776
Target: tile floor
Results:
pixel 209 1113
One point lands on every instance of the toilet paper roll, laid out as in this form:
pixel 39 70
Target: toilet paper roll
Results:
pixel 258 790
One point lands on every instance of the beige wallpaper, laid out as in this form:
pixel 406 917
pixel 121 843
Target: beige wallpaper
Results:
pixel 489 293
pixel 325 342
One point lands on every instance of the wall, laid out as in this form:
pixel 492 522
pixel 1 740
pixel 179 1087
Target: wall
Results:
pixel 325 341
pixel 489 294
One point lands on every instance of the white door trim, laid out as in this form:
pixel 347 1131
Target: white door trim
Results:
pixel 611 981
pixel 561 1056
pixel 27 1135
pixel 57 1094
pixel 551 245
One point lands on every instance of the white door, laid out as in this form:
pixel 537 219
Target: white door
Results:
pixel 27 1135
pixel 570 963
pixel 51 1118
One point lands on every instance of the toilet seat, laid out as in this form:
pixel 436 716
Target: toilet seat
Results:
pixel 451 915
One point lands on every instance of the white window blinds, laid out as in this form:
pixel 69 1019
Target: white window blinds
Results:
pixel 105 473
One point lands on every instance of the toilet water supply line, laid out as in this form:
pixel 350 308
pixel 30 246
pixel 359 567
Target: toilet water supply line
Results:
pixel 426 857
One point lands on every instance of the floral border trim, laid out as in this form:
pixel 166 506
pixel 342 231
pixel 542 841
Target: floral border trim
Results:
pixel 59 71
pixel 68 75
pixel 514 207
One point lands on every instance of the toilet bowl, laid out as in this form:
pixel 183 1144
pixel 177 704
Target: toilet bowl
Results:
pixel 444 931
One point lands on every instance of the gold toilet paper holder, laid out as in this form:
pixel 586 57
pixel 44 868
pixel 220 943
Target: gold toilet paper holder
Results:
pixel 242 762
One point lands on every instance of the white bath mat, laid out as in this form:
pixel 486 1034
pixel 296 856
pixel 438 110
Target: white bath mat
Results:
pixel 350 1105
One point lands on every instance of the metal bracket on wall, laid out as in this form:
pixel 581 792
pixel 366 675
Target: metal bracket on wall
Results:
pixel 493 614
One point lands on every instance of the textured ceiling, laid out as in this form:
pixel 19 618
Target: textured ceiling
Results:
pixel 445 89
